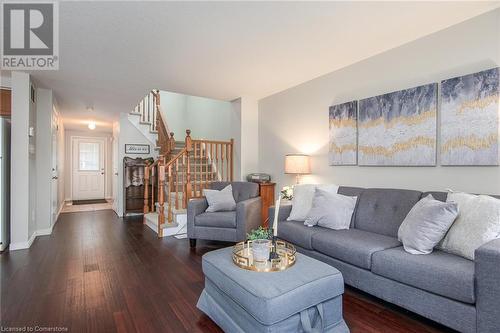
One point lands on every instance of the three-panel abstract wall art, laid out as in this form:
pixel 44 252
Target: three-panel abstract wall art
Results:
pixel 400 128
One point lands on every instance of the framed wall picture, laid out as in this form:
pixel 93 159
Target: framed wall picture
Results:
pixel 343 134
pixel 399 128
pixel 136 149
pixel 470 123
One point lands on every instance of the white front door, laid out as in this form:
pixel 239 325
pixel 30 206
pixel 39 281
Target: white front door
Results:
pixel 88 168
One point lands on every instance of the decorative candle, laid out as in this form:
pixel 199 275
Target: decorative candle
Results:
pixel 276 213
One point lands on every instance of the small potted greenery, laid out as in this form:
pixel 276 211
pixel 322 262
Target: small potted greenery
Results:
pixel 261 244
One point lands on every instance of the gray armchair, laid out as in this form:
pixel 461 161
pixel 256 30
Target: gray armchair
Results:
pixel 225 226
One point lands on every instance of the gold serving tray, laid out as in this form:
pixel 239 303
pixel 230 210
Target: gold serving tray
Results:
pixel 243 258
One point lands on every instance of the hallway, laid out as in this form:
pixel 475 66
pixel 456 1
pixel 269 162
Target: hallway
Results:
pixel 99 273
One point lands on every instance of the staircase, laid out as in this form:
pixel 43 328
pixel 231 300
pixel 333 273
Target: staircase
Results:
pixel 181 171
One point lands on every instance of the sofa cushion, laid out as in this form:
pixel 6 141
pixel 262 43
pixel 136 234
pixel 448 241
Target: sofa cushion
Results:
pixel 478 222
pixel 441 196
pixel 303 195
pixel 439 272
pixel 426 224
pixel 220 201
pixel 353 246
pixel 351 192
pixel 383 210
pixel 216 219
pixel 331 210
pixel 241 190
pixel 297 233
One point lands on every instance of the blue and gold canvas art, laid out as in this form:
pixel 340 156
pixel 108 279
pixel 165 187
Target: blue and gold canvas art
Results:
pixel 399 128
pixel 470 119
pixel 343 134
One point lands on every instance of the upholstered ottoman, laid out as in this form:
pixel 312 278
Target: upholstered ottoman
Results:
pixel 307 297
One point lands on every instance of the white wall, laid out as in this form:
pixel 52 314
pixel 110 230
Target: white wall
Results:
pixel 20 178
pixel 249 142
pixel 61 160
pixel 5 81
pixel 208 119
pixel 108 166
pixel 44 109
pixel 32 165
pixel 173 109
pixel 296 120
pixel 126 133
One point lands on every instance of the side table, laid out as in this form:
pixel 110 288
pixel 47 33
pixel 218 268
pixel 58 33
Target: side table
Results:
pixel 267 196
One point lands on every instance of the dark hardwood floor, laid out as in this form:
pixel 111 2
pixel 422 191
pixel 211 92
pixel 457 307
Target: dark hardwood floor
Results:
pixel 99 273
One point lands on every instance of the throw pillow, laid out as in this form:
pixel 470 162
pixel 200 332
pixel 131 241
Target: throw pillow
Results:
pixel 426 224
pixel 478 222
pixel 331 210
pixel 303 195
pixel 222 200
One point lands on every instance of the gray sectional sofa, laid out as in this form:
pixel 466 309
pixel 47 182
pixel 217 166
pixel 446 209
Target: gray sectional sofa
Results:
pixel 456 292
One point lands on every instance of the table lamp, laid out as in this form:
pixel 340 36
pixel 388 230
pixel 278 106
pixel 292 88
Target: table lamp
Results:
pixel 297 164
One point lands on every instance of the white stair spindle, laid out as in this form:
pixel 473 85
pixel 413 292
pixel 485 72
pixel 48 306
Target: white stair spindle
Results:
pixel 153 107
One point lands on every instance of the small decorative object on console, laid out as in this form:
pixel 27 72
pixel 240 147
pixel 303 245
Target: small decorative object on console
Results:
pixel 259 178
pixel 287 192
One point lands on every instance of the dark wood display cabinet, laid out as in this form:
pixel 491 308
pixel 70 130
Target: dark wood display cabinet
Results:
pixel 133 184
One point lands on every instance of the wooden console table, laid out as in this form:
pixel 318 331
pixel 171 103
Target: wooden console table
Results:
pixel 266 191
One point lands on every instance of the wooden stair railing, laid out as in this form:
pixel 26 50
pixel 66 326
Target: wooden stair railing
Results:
pixel 166 141
pixel 149 110
pixel 186 174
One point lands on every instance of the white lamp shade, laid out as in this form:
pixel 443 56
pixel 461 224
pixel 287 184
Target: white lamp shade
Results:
pixel 298 164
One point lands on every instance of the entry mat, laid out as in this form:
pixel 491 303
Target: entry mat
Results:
pixel 89 202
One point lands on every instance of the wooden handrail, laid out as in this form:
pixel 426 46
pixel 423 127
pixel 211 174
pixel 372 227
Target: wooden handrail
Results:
pixel 210 141
pixel 185 174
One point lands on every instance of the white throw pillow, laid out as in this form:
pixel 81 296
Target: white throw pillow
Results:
pixel 426 224
pixel 478 222
pixel 222 200
pixel 303 195
pixel 331 210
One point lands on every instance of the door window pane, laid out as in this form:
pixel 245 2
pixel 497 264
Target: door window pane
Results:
pixel 89 156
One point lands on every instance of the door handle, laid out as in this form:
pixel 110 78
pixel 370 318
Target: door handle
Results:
pixel 55 177
pixel 102 173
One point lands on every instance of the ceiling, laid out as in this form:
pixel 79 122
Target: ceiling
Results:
pixel 112 53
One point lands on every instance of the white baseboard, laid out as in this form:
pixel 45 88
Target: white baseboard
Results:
pixel 44 232
pixel 27 245
pixel 59 211
pixel 22 245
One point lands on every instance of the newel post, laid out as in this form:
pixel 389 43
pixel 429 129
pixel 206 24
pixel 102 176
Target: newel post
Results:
pixel 161 198
pixel 171 143
pixel 189 149
pixel 146 191
pixel 231 165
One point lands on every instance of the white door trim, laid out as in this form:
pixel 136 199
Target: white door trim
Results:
pixel 105 145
